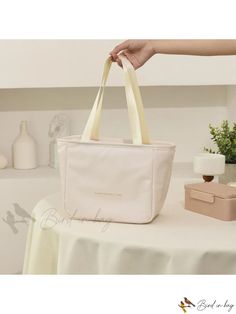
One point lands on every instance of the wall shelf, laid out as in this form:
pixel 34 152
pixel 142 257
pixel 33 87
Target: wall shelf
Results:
pixel 180 170
pixel 80 98
pixel 37 173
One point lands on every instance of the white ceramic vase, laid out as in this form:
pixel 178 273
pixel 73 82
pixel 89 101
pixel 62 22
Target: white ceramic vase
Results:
pixel 24 149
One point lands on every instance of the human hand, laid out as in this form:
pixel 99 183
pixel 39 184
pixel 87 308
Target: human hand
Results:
pixel 136 51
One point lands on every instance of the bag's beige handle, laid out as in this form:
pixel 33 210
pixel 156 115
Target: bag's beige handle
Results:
pixel 134 103
pixel 134 99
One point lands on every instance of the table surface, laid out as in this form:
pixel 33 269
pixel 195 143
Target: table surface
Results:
pixel 176 242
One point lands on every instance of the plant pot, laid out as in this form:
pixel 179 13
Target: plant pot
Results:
pixel 229 175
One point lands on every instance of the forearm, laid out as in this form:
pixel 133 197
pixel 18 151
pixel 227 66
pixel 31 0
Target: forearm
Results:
pixel 195 47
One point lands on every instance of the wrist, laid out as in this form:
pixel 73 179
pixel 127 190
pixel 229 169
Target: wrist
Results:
pixel 152 47
pixel 156 46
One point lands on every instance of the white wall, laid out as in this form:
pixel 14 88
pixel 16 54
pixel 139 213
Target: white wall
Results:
pixel 177 114
pixel 66 63
pixel 231 102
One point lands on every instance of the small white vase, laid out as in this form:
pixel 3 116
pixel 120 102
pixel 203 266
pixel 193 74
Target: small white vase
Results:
pixel 24 149
pixel 3 161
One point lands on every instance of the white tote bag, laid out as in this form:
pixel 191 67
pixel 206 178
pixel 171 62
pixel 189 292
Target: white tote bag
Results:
pixel 115 180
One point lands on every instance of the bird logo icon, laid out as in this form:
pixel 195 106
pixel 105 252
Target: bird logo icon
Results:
pixel 187 301
pixel 11 218
pixel 21 212
pixel 185 304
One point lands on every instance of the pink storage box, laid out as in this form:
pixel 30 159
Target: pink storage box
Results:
pixel 211 199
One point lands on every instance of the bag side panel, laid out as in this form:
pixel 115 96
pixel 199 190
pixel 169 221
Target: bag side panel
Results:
pixel 161 178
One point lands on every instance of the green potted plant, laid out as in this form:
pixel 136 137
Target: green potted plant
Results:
pixel 225 139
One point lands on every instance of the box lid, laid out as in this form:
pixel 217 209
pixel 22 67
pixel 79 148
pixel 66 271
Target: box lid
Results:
pixel 216 189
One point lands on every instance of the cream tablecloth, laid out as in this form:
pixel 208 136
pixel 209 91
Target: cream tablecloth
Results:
pixel 177 242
